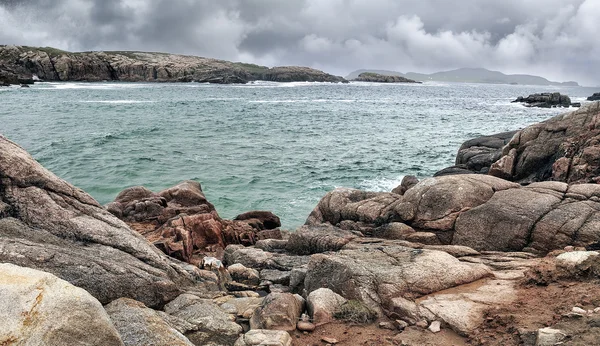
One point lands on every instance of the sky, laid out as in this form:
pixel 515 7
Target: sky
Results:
pixel 557 39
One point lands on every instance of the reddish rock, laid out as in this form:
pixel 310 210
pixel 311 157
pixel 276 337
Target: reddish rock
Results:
pixel 183 224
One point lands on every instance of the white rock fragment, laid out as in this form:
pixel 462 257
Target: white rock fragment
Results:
pixel 435 326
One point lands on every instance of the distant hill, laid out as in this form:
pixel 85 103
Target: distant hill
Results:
pixel 469 75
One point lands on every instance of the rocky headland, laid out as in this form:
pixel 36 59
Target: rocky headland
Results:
pixel 18 65
pixel 380 78
pixel 504 253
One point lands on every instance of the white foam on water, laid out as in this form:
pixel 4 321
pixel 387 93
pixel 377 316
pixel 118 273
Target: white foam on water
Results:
pixel 380 184
pixel 105 86
pixel 116 101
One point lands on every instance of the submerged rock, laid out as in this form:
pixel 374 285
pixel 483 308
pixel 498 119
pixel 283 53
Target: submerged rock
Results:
pixel 37 308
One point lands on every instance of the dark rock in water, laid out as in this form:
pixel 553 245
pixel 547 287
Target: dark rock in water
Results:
pixel 564 148
pixel 478 154
pixel 265 219
pixel 24 86
pixel 407 182
pixel 298 74
pixel 50 225
pixel 380 78
pixel 595 97
pixel 545 100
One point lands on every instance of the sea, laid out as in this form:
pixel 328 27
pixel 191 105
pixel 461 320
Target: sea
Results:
pixel 261 146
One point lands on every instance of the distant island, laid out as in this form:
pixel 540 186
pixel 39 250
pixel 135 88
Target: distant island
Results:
pixel 382 78
pixel 468 75
pixel 23 64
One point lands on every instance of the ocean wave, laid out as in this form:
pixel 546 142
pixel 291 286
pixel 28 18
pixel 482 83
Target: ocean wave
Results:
pixel 106 86
pixel 115 101
pixel 380 184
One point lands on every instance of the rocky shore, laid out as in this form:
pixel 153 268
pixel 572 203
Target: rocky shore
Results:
pixel 18 65
pixel 504 253
pixel 379 78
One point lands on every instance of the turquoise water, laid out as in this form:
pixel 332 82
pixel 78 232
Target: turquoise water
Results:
pixel 270 146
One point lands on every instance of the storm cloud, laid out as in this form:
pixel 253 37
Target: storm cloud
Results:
pixel 557 39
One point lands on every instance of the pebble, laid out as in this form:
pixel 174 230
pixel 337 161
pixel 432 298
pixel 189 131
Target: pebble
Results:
pixel 597 310
pixel 329 340
pixel 422 324
pixel 305 326
pixel 387 325
pixel 569 248
pixel 435 326
pixel 578 310
pixel 400 324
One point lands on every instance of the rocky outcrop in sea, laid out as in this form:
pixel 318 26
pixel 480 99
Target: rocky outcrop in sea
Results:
pixel 18 65
pixel 484 259
pixel 595 97
pixel 379 78
pixel 546 100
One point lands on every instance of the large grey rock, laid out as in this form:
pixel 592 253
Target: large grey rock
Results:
pixel 38 309
pixel 264 337
pixel 139 325
pixel 379 274
pixel 351 204
pixel 308 240
pixel 563 148
pixel 244 275
pixel 279 311
pixel 322 304
pixel 213 326
pixel 48 224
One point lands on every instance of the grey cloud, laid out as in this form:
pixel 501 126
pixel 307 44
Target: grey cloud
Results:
pixel 553 38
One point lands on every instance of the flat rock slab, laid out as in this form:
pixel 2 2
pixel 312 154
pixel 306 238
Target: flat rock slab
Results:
pixel 376 274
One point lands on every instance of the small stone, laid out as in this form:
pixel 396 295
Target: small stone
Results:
pixel 549 337
pixel 569 248
pixel 422 324
pixel 400 324
pixel 578 310
pixel 329 340
pixel 305 326
pixel 596 310
pixel 387 325
pixel 435 326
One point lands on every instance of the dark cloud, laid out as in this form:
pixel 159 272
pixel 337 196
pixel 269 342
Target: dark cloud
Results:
pixel 553 38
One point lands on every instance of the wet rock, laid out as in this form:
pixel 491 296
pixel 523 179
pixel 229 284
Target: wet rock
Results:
pixel 595 97
pixel 279 311
pixel 258 337
pixel 212 324
pixel 545 100
pixel 262 219
pixel 37 308
pixel 50 225
pixel 322 304
pixel 139 325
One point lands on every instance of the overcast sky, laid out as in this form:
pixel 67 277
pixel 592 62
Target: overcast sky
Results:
pixel 558 39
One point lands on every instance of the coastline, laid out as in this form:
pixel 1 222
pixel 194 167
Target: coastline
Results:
pixel 460 252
